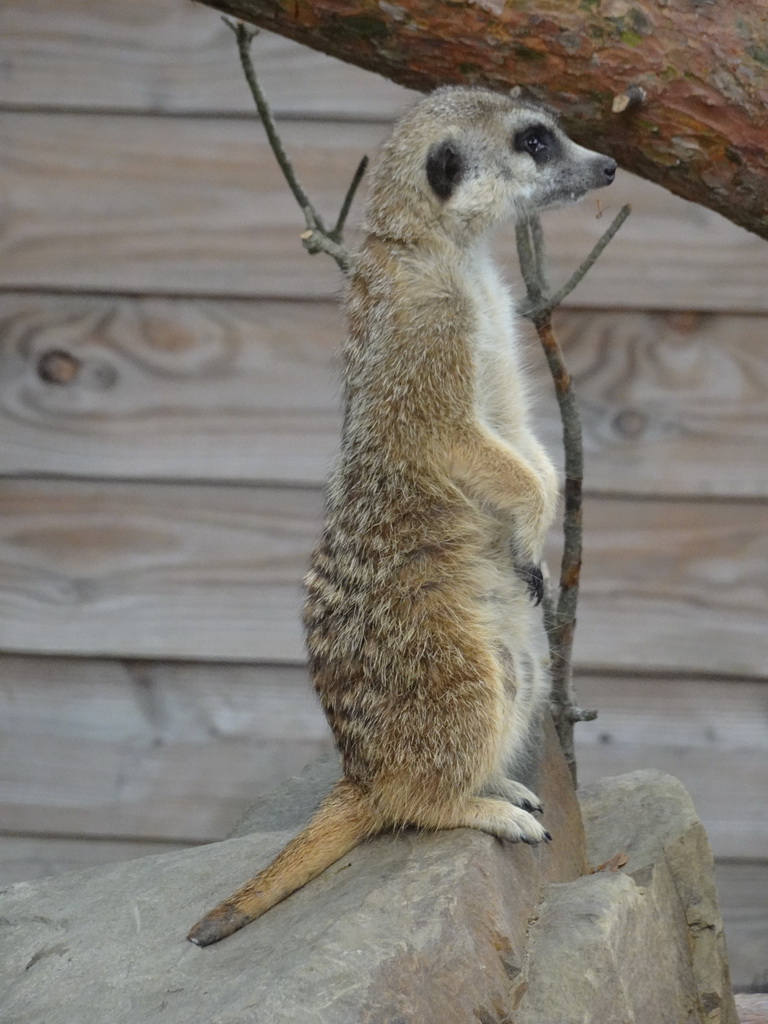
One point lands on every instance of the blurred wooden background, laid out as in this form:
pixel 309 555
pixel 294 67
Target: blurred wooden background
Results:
pixel 168 413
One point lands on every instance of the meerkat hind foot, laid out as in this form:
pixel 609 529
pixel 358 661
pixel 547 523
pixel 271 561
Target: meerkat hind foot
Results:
pixel 515 792
pixel 498 817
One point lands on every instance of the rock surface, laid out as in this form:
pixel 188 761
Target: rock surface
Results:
pixel 427 928
pixel 644 944
pixel 664 834
pixel 433 929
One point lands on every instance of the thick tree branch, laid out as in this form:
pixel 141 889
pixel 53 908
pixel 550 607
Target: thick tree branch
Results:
pixel 675 90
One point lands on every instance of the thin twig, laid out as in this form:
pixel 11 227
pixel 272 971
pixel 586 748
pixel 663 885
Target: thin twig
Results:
pixel 561 631
pixel 589 262
pixel 560 614
pixel 338 230
pixel 245 36
pixel 317 238
pixel 320 241
pixel 536 304
pixel 537 238
pixel 582 714
pixel 529 262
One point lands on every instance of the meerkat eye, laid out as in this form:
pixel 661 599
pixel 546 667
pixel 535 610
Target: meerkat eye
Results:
pixel 537 140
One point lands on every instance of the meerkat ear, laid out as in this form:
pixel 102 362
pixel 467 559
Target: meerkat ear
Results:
pixel 445 168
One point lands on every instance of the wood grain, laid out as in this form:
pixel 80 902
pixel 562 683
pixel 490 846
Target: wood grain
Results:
pixel 672 404
pixel 192 571
pixel 181 389
pixel 712 735
pixel 742 890
pixel 674 586
pixel 147 750
pixel 170 57
pixel 752 1007
pixel 197 207
pixel 177 752
pixel 151 571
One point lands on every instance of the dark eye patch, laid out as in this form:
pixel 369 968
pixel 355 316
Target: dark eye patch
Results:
pixel 538 141
pixel 445 168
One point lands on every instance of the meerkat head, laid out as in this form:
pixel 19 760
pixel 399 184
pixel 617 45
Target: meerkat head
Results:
pixel 464 160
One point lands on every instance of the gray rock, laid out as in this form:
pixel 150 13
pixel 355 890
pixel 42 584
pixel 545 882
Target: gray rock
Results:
pixel 666 832
pixel 408 929
pixel 427 928
pixel 606 950
pixel 644 945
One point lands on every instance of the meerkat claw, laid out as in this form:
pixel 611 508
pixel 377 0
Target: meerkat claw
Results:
pixel 534 578
pixel 532 808
pixel 515 792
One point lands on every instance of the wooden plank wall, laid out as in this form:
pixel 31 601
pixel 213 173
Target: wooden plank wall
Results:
pixel 168 412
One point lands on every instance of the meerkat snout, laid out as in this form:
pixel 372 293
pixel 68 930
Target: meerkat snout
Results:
pixel 562 170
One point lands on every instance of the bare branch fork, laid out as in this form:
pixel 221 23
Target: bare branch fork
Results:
pixel 560 615
pixel 317 238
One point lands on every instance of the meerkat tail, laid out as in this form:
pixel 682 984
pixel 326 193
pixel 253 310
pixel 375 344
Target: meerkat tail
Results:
pixel 343 820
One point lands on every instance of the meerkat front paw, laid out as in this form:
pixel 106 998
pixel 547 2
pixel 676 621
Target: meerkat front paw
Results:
pixel 530 529
pixel 532 526
pixel 527 568
pixel 501 819
pixel 532 576
pixel 515 792
pixel 520 826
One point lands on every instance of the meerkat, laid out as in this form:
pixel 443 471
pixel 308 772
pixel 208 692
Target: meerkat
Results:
pixel 424 646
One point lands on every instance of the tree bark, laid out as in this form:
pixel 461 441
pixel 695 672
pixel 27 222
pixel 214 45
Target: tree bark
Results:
pixel 691 75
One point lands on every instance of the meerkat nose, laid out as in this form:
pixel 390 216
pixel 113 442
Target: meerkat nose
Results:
pixel 609 170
